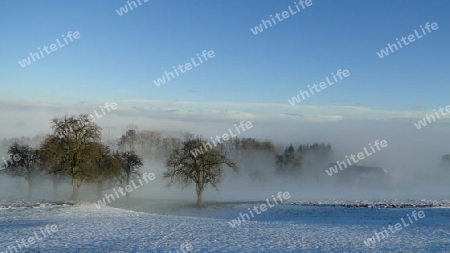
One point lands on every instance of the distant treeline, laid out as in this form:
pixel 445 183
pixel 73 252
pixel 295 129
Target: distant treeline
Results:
pixel 75 150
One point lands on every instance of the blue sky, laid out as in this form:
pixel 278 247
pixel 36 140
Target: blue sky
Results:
pixel 118 57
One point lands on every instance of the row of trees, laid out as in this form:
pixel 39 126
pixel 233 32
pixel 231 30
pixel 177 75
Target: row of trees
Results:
pixel 290 163
pixel 75 150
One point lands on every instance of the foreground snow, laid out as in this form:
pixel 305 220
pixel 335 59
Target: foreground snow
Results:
pixel 284 228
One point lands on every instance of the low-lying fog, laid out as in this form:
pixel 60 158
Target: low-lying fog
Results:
pixel 412 156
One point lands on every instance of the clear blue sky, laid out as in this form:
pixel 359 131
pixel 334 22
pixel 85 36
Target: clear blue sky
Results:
pixel 118 57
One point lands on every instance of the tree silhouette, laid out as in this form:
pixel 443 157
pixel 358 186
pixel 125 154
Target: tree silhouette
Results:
pixel 23 164
pixel 184 168
pixel 130 165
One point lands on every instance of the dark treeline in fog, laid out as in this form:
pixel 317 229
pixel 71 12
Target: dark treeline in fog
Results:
pixel 76 153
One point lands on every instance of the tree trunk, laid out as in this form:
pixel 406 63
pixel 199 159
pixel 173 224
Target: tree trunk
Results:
pixel 199 195
pixel 55 186
pixel 30 188
pixel 75 187
pixel 99 188
pixel 127 194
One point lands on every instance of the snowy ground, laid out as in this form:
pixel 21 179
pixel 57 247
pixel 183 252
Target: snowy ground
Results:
pixel 283 228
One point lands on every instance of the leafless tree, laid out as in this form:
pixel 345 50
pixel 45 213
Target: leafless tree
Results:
pixel 22 163
pixel 130 165
pixel 108 166
pixel 184 168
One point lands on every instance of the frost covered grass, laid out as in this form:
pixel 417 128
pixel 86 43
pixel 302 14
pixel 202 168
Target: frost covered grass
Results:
pixel 284 228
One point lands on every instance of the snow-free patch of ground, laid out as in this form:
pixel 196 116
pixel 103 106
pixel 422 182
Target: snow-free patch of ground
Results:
pixel 283 228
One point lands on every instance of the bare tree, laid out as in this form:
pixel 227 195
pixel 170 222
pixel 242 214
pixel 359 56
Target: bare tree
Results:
pixel 129 140
pixel 167 145
pixel 130 165
pixel 108 166
pixel 184 168
pixel 23 164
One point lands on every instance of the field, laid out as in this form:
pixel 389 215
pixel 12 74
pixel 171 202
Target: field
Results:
pixel 164 225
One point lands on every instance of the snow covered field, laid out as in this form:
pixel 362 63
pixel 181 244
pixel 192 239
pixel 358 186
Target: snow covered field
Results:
pixel 324 227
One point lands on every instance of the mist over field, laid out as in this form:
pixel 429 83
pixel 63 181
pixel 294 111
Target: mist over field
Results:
pixel 414 162
pixel 224 126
